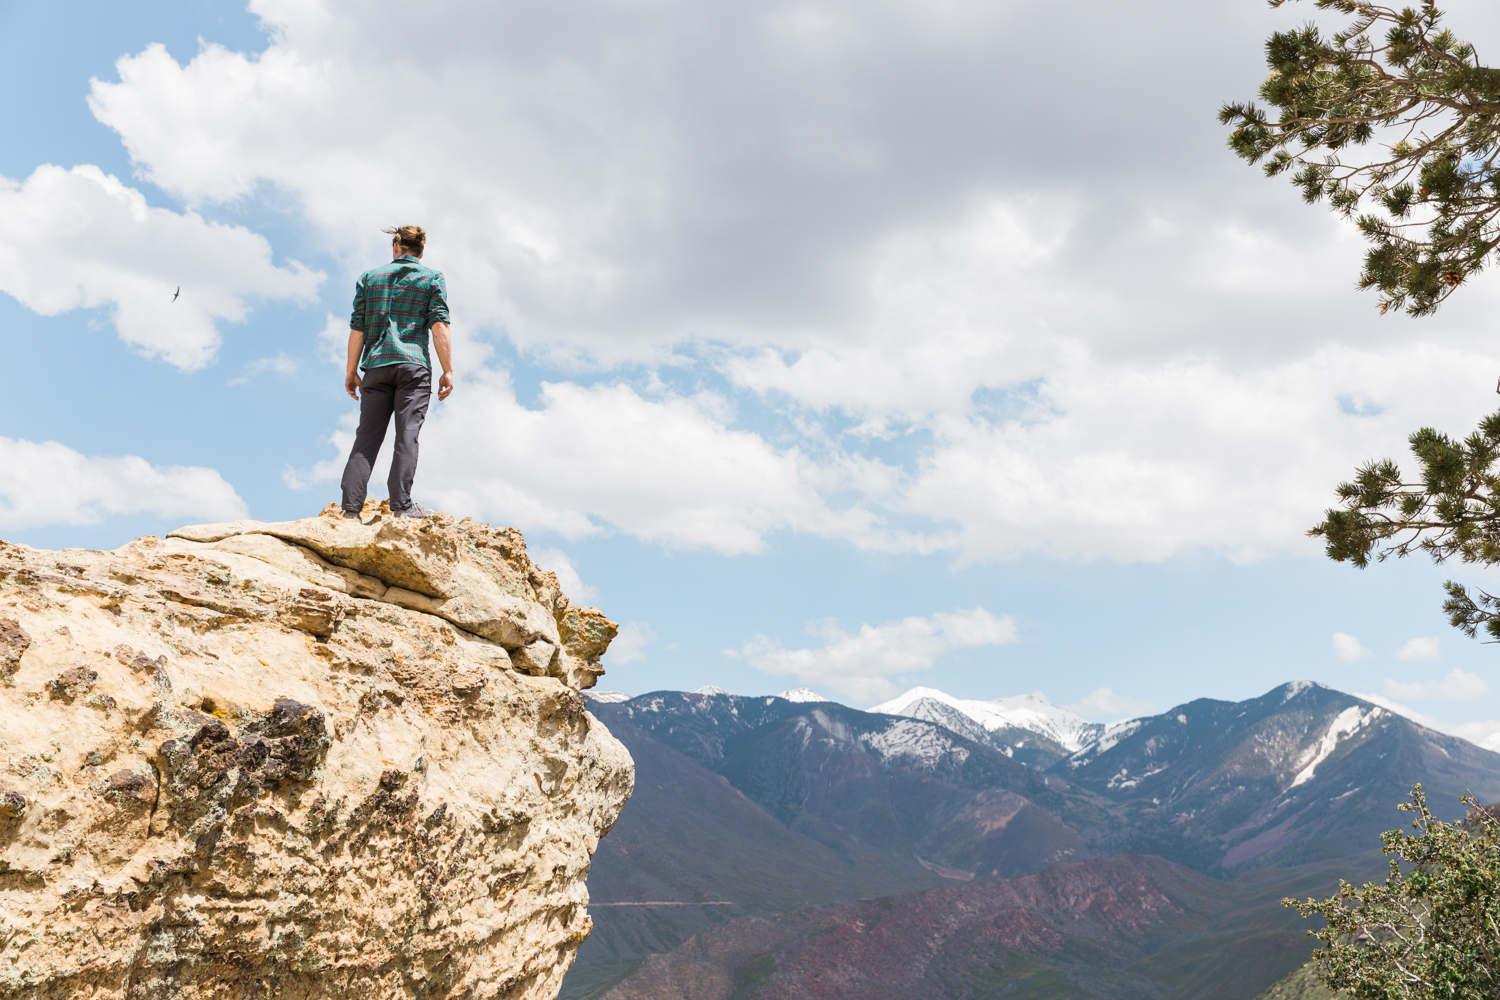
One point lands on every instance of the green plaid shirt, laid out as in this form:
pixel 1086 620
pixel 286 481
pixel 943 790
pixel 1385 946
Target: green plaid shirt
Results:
pixel 395 305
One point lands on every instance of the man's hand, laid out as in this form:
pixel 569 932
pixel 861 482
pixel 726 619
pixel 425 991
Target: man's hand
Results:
pixel 442 340
pixel 351 368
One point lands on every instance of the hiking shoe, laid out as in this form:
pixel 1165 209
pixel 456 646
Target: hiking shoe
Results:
pixel 415 510
pixel 351 515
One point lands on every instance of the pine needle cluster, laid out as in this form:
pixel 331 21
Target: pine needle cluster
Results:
pixel 1432 929
pixel 1394 122
pixel 1451 511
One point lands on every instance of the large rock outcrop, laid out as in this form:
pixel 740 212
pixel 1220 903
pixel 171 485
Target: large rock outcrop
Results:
pixel 319 758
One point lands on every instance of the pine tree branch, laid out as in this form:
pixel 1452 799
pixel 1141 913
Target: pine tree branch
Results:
pixel 1336 95
pixel 1452 512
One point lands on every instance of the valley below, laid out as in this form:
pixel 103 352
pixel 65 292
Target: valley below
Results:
pixel 938 848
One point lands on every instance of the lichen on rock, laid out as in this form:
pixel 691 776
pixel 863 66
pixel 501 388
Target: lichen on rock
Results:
pixel 234 764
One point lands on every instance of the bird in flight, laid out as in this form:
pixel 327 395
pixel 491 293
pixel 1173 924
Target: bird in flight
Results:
pixel 176 293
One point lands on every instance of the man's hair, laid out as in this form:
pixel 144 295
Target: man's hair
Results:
pixel 412 238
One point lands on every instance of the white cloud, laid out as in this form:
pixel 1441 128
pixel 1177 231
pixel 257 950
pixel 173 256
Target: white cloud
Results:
pixel 1457 685
pixel 558 562
pixel 682 474
pixel 1421 649
pixel 963 347
pixel 860 664
pixel 333 341
pixel 675 472
pixel 1347 649
pixel 1103 705
pixel 603 183
pixel 630 644
pixel 49 483
pixel 331 469
pixel 79 238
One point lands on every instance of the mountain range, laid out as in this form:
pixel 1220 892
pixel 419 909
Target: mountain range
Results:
pixel 1027 727
pixel 851 779
pixel 1301 773
pixel 765 819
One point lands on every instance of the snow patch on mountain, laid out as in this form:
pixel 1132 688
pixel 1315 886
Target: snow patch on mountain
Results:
pixel 1345 724
pixel 913 740
pixel 1292 689
pixel 1026 711
pixel 945 715
pixel 801 695
pixel 1124 780
pixel 608 697
pixel 1112 735
pixel 710 690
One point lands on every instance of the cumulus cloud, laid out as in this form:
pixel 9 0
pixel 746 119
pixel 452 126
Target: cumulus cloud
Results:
pixel 1103 705
pixel 588 460
pixel 333 340
pixel 332 468
pixel 1421 649
pixel 1458 684
pixel 964 343
pixel 1347 649
pixel 604 184
pixel 861 664
pixel 80 238
pixel 49 483
pixel 681 473
pixel 631 643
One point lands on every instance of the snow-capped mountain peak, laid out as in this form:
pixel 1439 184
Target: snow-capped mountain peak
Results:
pixel 1032 712
pixel 1292 689
pixel 710 689
pixel 801 695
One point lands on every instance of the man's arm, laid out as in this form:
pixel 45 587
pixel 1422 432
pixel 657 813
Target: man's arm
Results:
pixel 442 340
pixel 351 370
pixel 356 339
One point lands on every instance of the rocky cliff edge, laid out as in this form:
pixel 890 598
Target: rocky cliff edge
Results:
pixel 317 758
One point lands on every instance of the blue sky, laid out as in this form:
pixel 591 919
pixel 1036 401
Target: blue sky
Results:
pixel 819 343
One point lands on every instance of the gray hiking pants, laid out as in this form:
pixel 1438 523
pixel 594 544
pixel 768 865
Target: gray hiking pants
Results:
pixel 400 390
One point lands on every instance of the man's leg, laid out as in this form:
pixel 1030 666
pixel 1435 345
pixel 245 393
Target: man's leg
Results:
pixel 376 399
pixel 413 390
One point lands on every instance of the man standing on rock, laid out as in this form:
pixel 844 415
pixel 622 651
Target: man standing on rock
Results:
pixel 394 306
